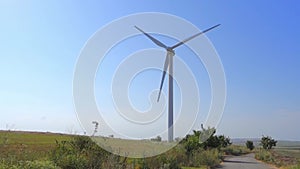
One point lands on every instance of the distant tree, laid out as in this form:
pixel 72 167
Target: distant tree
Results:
pixel 267 142
pixel 250 145
pixel 158 138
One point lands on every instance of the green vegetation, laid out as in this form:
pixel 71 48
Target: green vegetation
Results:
pixel 294 167
pixel 267 142
pixel 28 146
pixel 250 145
pixel 288 144
pixel 194 167
pixel 292 152
pixel 141 147
pixel 265 155
pixel 235 150
pixel 285 157
pixel 32 150
pixel 277 158
pixel 45 164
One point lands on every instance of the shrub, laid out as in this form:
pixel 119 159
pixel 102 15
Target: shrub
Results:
pixel 250 145
pixel 80 152
pixel 174 159
pixel 70 161
pixel 267 142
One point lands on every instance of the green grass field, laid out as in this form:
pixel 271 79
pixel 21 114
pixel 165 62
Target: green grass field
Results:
pixel 37 147
pixel 16 141
pixel 31 146
pixel 28 145
pixel 133 148
pixel 30 138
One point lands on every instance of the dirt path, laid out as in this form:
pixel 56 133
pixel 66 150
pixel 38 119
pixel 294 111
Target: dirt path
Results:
pixel 244 162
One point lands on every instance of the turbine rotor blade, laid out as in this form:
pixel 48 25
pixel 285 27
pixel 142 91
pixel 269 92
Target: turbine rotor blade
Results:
pixel 166 65
pixel 192 37
pixel 157 42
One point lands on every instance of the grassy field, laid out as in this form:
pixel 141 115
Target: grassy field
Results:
pixel 288 152
pixel 18 146
pixel 288 144
pixel 28 145
pixel 29 138
pixel 16 142
pixel 19 149
pixel 133 148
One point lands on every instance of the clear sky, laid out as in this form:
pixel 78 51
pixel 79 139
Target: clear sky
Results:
pixel 258 43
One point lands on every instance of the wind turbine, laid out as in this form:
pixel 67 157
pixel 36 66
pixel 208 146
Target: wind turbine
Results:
pixel 169 64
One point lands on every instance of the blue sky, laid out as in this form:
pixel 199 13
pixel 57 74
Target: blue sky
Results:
pixel 258 43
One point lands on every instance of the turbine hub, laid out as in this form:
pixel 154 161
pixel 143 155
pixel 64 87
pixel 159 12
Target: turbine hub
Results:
pixel 171 51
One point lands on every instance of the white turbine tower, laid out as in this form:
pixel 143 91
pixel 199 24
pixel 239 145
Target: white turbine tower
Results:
pixel 169 64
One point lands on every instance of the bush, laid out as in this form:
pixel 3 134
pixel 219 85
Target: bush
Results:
pixel 174 158
pixel 70 161
pixel 250 145
pixel 81 152
pixel 267 142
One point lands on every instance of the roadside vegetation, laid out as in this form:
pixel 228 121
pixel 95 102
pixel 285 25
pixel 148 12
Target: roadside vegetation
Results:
pixel 283 157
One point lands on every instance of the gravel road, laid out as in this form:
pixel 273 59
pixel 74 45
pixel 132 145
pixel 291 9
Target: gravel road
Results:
pixel 244 162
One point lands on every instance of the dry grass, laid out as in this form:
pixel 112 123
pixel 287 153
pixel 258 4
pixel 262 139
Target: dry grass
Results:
pixel 284 157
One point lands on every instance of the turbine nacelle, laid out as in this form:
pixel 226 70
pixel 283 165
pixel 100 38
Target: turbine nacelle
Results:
pixel 170 51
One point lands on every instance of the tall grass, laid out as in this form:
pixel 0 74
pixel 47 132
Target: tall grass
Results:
pixel 264 155
pixel 294 167
pixel 285 161
pixel 36 164
pixel 209 158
